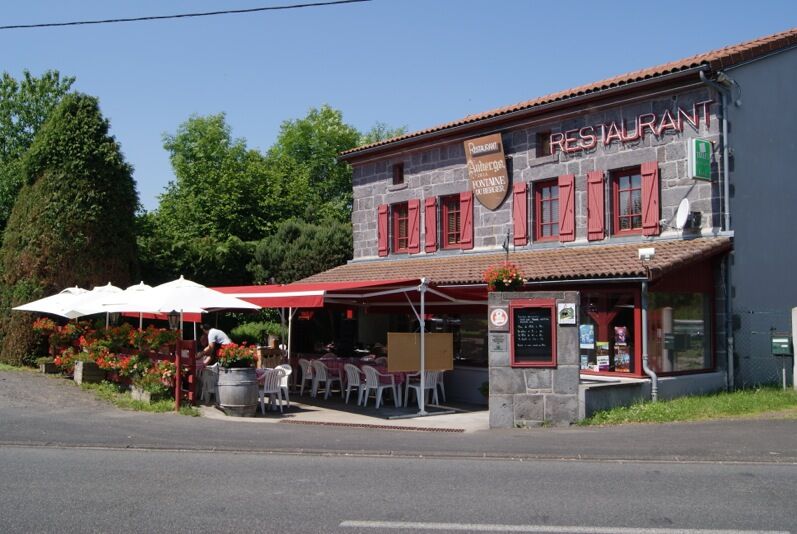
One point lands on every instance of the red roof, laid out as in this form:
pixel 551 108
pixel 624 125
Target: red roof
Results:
pixel 714 60
pixel 537 265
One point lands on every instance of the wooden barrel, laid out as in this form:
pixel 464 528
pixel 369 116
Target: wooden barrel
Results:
pixel 237 391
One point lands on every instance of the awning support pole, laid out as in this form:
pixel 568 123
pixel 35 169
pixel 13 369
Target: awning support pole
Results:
pixel 422 321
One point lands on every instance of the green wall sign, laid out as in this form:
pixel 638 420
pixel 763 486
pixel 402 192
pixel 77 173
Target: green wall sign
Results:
pixel 700 159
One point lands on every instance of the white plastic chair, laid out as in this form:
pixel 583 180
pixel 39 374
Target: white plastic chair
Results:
pixel 307 374
pixel 372 382
pixel 271 388
pixel 284 383
pixel 209 382
pixel 441 384
pixel 321 374
pixel 353 381
pixel 429 386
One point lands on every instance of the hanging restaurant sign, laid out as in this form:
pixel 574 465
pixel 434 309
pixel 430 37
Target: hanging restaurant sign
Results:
pixel 487 170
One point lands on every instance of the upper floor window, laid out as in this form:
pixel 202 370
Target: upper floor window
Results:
pixel 398 174
pixel 401 234
pixel 546 210
pixel 627 200
pixel 543 144
pixel 452 221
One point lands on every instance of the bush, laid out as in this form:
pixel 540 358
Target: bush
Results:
pixel 256 333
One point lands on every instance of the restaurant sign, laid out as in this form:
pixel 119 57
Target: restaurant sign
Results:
pixel 487 170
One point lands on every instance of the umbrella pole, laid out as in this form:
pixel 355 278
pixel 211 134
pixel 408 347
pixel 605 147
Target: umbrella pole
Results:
pixel 290 323
pixel 107 319
pixel 422 392
pixel 141 321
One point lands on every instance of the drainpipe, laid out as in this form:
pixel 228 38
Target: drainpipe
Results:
pixel 654 379
pixel 726 187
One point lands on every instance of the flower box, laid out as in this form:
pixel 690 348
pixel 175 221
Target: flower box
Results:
pixel 88 372
pixel 144 396
pixel 49 368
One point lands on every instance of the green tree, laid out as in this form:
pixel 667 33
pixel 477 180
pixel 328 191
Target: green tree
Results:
pixel 314 142
pixel 219 184
pixel 24 106
pixel 299 249
pixel 381 132
pixel 73 221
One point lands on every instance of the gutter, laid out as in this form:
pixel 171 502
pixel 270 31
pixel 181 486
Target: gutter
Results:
pixel 725 94
pixel 541 108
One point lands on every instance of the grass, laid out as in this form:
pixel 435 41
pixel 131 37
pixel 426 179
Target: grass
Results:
pixel 6 367
pixel 747 402
pixel 112 393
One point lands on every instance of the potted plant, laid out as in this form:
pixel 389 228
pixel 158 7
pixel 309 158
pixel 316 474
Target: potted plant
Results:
pixel 504 277
pixel 237 387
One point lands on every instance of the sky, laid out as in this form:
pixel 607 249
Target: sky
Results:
pixel 412 63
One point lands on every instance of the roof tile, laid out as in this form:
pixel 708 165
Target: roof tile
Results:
pixel 716 59
pixel 570 263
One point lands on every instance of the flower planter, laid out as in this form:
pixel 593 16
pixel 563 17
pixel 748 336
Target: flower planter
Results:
pixel 237 391
pixel 88 372
pixel 49 368
pixel 145 396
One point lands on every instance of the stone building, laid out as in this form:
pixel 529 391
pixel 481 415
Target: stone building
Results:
pixel 694 159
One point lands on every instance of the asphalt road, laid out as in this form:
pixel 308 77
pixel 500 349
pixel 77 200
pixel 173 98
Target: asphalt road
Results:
pixel 70 463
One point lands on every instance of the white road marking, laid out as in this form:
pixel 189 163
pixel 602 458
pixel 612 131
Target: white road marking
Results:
pixel 480 527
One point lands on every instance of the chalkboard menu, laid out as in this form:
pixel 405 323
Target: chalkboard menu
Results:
pixel 533 334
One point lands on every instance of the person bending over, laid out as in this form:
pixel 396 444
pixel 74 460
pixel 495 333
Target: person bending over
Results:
pixel 216 338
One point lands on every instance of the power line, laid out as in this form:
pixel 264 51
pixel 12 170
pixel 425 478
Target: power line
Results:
pixel 182 15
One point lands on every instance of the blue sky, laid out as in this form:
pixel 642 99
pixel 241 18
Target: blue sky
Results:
pixel 413 63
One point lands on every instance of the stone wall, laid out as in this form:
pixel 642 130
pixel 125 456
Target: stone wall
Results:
pixel 441 170
pixel 531 396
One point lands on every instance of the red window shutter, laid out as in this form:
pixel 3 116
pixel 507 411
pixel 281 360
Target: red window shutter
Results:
pixel 466 214
pixel 414 226
pixel 520 213
pixel 567 207
pixel 430 223
pixel 596 206
pixel 650 198
pixel 382 229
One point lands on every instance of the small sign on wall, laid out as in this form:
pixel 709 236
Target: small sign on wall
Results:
pixel 498 342
pixel 499 318
pixel 566 312
pixel 699 159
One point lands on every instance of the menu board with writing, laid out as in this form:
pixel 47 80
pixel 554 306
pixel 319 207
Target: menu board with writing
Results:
pixel 533 335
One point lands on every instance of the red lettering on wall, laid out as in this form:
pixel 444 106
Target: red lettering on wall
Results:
pixel 557 140
pixel 612 133
pixel 667 122
pixel 588 140
pixel 569 140
pixel 648 120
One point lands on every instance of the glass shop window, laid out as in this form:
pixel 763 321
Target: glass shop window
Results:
pixel 679 337
pixel 606 332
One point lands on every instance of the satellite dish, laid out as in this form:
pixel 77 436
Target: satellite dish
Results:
pixel 682 215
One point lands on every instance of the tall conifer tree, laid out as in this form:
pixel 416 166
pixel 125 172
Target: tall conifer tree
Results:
pixel 73 222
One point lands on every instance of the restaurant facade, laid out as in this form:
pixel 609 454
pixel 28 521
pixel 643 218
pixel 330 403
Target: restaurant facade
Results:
pixel 657 200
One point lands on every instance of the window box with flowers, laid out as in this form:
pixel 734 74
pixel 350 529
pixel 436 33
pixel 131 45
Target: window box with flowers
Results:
pixel 504 277
pixel 237 386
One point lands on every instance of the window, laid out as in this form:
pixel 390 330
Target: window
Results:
pixel 452 221
pixel 401 234
pixel 679 332
pixel 543 144
pixel 607 332
pixel 627 204
pixel 398 174
pixel 546 211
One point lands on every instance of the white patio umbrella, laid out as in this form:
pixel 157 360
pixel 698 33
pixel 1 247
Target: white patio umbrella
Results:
pixel 183 296
pixel 137 289
pixel 92 302
pixel 54 303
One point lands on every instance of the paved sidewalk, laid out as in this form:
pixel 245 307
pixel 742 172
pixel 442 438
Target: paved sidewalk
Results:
pixel 38 410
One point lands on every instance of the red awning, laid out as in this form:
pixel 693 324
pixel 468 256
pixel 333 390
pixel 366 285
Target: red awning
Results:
pixel 311 295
